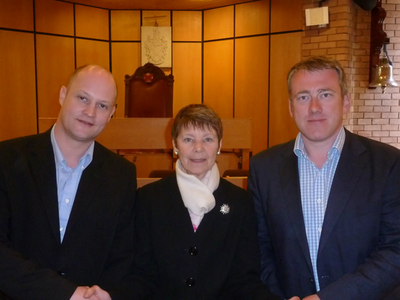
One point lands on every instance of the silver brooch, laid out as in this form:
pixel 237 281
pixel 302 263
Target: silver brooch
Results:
pixel 225 209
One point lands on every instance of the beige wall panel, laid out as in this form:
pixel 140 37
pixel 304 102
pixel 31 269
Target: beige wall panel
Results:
pixel 55 63
pixel 252 18
pixel 286 15
pixel 54 17
pixel 285 51
pixel 17 85
pixel 251 86
pixel 218 77
pixel 187 25
pixel 187 74
pixel 91 22
pixel 218 23
pixel 227 161
pixel 146 162
pixel 92 52
pixel 125 25
pixel 163 17
pixel 16 14
pixel 125 61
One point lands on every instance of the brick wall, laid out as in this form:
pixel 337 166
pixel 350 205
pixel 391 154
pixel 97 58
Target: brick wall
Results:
pixel 346 38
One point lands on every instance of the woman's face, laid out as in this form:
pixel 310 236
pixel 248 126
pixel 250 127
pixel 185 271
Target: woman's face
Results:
pixel 197 149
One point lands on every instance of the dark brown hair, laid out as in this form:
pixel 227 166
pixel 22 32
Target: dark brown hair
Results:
pixel 198 116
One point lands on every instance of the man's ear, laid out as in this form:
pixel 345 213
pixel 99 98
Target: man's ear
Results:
pixel 346 103
pixel 112 113
pixel 63 95
pixel 290 108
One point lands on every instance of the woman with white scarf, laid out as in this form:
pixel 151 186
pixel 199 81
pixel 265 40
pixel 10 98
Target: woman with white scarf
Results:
pixel 196 234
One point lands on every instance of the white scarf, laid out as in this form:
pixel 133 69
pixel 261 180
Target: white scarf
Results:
pixel 197 195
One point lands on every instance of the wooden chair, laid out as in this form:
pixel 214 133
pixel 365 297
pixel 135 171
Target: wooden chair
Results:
pixel 148 93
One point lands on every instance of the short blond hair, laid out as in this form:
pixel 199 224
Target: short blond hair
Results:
pixel 318 63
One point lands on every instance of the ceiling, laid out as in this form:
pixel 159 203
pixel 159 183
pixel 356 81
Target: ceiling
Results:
pixel 157 4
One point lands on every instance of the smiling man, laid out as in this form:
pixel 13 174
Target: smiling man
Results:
pixel 66 202
pixel 328 202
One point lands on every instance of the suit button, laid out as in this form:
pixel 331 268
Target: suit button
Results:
pixel 62 274
pixel 190 281
pixel 311 279
pixel 193 251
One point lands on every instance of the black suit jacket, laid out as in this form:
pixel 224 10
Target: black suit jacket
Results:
pixel 218 261
pixel 98 244
pixel 359 250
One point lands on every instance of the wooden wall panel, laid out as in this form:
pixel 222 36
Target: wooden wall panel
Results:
pixel 187 25
pixel 125 25
pixel 92 22
pixel 218 23
pixel 286 15
pixel 54 17
pixel 285 55
pixel 92 52
pixel 17 85
pixel 187 70
pixel 218 77
pixel 125 61
pixel 16 14
pixel 149 17
pixel 252 18
pixel 251 86
pixel 55 63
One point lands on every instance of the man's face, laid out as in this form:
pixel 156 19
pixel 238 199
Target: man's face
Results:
pixel 317 106
pixel 87 104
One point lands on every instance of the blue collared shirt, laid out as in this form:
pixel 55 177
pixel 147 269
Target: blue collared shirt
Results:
pixel 315 186
pixel 67 181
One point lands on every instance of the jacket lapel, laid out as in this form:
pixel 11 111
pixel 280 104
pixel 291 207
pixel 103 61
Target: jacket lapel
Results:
pixel 348 171
pixel 214 226
pixel 43 169
pixel 291 191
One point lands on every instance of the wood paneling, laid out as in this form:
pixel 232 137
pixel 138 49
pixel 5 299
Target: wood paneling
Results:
pixel 187 25
pixel 218 23
pixel 159 4
pixel 146 162
pixel 92 52
pixel 91 22
pixel 282 127
pixel 16 14
pixel 125 25
pixel 218 77
pixel 55 63
pixel 125 61
pixel 17 85
pixel 286 15
pixel 187 74
pixel 54 17
pixel 251 86
pixel 149 17
pixel 252 18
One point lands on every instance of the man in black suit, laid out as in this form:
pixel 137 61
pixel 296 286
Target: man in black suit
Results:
pixel 328 202
pixel 66 202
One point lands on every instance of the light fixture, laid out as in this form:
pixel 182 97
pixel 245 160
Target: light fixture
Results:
pixel 380 66
pixel 383 76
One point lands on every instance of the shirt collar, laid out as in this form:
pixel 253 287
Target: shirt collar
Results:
pixel 337 146
pixel 85 160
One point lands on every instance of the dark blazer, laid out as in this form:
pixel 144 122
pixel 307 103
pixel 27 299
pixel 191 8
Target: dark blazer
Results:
pixel 218 261
pixel 359 250
pixel 98 243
